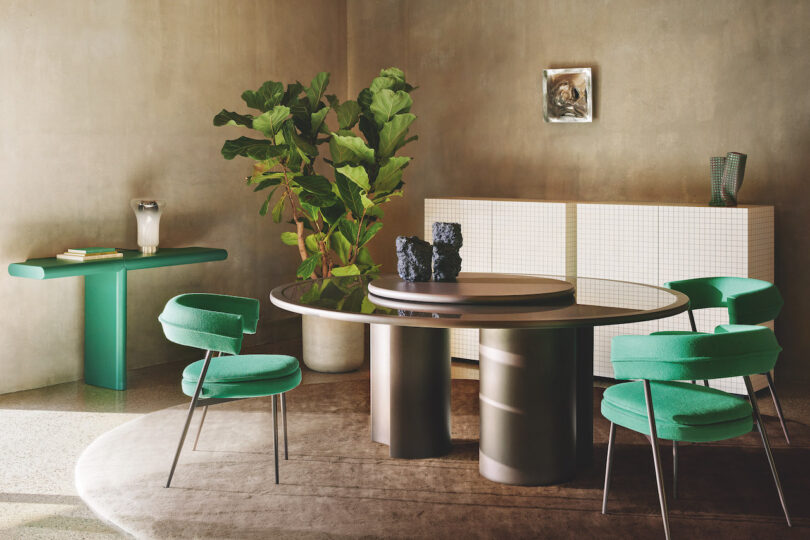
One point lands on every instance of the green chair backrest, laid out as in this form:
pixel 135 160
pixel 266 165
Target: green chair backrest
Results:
pixel 733 350
pixel 212 322
pixel 749 301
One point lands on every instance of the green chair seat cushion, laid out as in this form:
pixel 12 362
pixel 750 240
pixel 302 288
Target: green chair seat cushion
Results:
pixel 244 389
pixel 683 411
pixel 242 368
pixel 248 375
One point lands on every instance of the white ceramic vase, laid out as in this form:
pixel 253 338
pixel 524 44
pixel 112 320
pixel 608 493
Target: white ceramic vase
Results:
pixel 332 346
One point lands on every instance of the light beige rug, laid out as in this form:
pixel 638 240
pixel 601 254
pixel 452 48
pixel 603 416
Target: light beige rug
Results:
pixel 337 483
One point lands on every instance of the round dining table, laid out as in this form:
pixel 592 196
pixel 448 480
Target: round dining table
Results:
pixel 535 354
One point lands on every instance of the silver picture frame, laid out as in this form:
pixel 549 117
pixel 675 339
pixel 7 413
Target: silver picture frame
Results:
pixel 567 95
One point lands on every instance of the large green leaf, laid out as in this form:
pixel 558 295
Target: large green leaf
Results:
pixel 369 128
pixel 315 184
pixel 387 103
pixel 358 175
pixel 293 90
pixel 258 149
pixel 289 238
pixel 348 114
pixel 317 88
pixel 364 257
pixel 369 233
pixel 348 229
pixel 394 73
pixel 390 174
pixel 318 200
pixel 355 145
pixel 266 204
pixel 270 122
pixel 350 193
pixel 393 133
pixel 308 266
pixel 303 144
pixel 311 243
pixel 340 153
pixel 341 246
pixel 333 212
pixel 278 209
pixel 266 97
pixel 364 100
pixel 310 210
pixel 351 270
pixel 266 183
pixel 383 83
pixel 316 122
pixel 228 118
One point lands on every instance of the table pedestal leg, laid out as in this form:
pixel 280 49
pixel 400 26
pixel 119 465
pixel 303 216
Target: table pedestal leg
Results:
pixel 535 418
pixel 410 390
pixel 105 329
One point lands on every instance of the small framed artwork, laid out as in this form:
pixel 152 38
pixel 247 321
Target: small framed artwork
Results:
pixel 567 95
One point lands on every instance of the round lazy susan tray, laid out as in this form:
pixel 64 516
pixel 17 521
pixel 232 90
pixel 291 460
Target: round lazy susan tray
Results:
pixel 473 288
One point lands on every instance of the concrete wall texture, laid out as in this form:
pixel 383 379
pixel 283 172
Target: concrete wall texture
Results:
pixel 103 101
pixel 675 82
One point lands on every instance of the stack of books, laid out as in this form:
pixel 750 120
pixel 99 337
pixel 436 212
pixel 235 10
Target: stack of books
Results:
pixel 90 254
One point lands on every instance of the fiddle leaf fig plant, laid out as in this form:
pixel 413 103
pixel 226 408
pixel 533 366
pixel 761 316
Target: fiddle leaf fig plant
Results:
pixel 333 219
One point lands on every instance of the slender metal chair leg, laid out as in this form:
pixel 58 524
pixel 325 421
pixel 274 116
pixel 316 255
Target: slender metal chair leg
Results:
pixel 659 476
pixel 674 469
pixel 767 445
pixel 191 407
pixel 199 429
pixel 284 422
pixel 608 466
pixel 692 321
pixel 275 432
pixel 778 407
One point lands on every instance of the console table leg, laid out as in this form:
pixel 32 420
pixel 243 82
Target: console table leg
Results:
pixel 105 329
pixel 410 390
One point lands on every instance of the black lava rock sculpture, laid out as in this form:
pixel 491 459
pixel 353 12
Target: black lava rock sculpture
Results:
pixel 413 258
pixel 446 263
pixel 447 234
pixel 447 241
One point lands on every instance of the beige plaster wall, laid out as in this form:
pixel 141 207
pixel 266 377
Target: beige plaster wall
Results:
pixel 103 101
pixel 675 83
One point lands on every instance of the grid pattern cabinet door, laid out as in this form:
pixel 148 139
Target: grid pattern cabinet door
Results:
pixel 617 241
pixel 642 243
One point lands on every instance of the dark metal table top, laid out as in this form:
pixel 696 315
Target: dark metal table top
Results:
pixel 595 302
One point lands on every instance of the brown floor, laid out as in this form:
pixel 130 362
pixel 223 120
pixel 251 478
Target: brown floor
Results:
pixel 46 429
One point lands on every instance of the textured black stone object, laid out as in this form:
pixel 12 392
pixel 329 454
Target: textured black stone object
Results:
pixel 413 258
pixel 447 234
pixel 446 263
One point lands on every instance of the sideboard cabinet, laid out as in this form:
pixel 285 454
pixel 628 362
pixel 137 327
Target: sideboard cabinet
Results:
pixel 645 243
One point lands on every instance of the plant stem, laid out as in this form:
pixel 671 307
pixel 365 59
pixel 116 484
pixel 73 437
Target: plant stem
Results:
pixel 357 240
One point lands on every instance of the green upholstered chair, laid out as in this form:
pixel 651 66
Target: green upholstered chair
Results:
pixel 659 406
pixel 749 301
pixel 216 324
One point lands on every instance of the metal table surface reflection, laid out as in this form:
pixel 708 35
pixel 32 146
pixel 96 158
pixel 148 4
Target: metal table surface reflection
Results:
pixel 536 366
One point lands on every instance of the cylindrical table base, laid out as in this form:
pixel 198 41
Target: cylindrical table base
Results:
pixel 410 390
pixel 528 401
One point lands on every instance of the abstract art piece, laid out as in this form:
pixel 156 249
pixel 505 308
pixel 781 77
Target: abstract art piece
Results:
pixel 567 95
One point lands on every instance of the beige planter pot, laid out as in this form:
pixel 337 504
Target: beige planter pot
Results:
pixel 332 346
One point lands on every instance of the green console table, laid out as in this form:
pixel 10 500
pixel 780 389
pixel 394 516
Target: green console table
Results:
pixel 105 302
